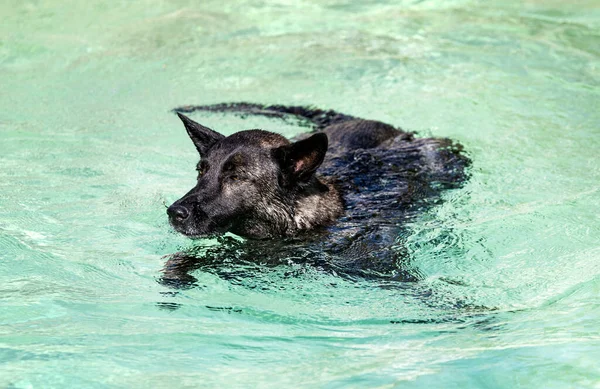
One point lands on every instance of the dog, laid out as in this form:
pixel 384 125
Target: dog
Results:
pixel 336 198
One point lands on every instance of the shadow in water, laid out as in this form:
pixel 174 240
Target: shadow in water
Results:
pixel 234 260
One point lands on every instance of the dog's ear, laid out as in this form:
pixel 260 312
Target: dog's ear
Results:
pixel 301 159
pixel 203 137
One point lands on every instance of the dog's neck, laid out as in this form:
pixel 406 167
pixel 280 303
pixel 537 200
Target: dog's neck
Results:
pixel 316 205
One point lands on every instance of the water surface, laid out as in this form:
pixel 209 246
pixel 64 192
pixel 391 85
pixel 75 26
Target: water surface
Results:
pixel 89 155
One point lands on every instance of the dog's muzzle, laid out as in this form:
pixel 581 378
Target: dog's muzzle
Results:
pixel 178 214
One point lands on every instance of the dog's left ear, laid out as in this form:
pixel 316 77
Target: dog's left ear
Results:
pixel 301 159
pixel 203 137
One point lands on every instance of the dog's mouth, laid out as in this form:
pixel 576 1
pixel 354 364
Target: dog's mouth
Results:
pixel 201 236
pixel 195 233
pixel 195 223
pixel 198 235
pixel 192 233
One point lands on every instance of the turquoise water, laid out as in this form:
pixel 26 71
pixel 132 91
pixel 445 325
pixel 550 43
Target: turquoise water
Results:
pixel 89 155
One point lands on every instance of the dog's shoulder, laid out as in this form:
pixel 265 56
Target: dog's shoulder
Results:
pixel 360 134
pixel 356 134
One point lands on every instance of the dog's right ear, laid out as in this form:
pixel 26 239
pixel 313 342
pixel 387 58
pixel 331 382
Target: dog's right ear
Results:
pixel 203 137
pixel 300 160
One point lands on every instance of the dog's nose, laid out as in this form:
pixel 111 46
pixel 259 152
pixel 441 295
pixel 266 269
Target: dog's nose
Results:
pixel 178 213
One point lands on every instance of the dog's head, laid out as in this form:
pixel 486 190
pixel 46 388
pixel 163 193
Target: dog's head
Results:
pixel 247 182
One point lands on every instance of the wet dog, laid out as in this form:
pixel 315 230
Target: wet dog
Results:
pixel 336 198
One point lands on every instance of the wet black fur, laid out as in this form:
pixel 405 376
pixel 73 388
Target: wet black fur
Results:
pixel 372 180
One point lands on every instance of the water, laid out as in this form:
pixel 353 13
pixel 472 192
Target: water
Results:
pixel 90 155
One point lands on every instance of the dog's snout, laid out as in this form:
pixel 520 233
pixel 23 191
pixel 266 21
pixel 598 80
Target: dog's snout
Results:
pixel 178 213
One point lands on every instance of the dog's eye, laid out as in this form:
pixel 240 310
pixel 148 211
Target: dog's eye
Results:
pixel 201 170
pixel 201 173
pixel 234 177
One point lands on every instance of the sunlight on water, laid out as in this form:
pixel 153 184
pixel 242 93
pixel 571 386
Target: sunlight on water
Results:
pixel 90 155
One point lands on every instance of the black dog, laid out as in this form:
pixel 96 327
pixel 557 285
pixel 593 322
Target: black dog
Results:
pixel 256 184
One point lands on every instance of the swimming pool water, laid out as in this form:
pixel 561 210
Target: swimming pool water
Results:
pixel 89 155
